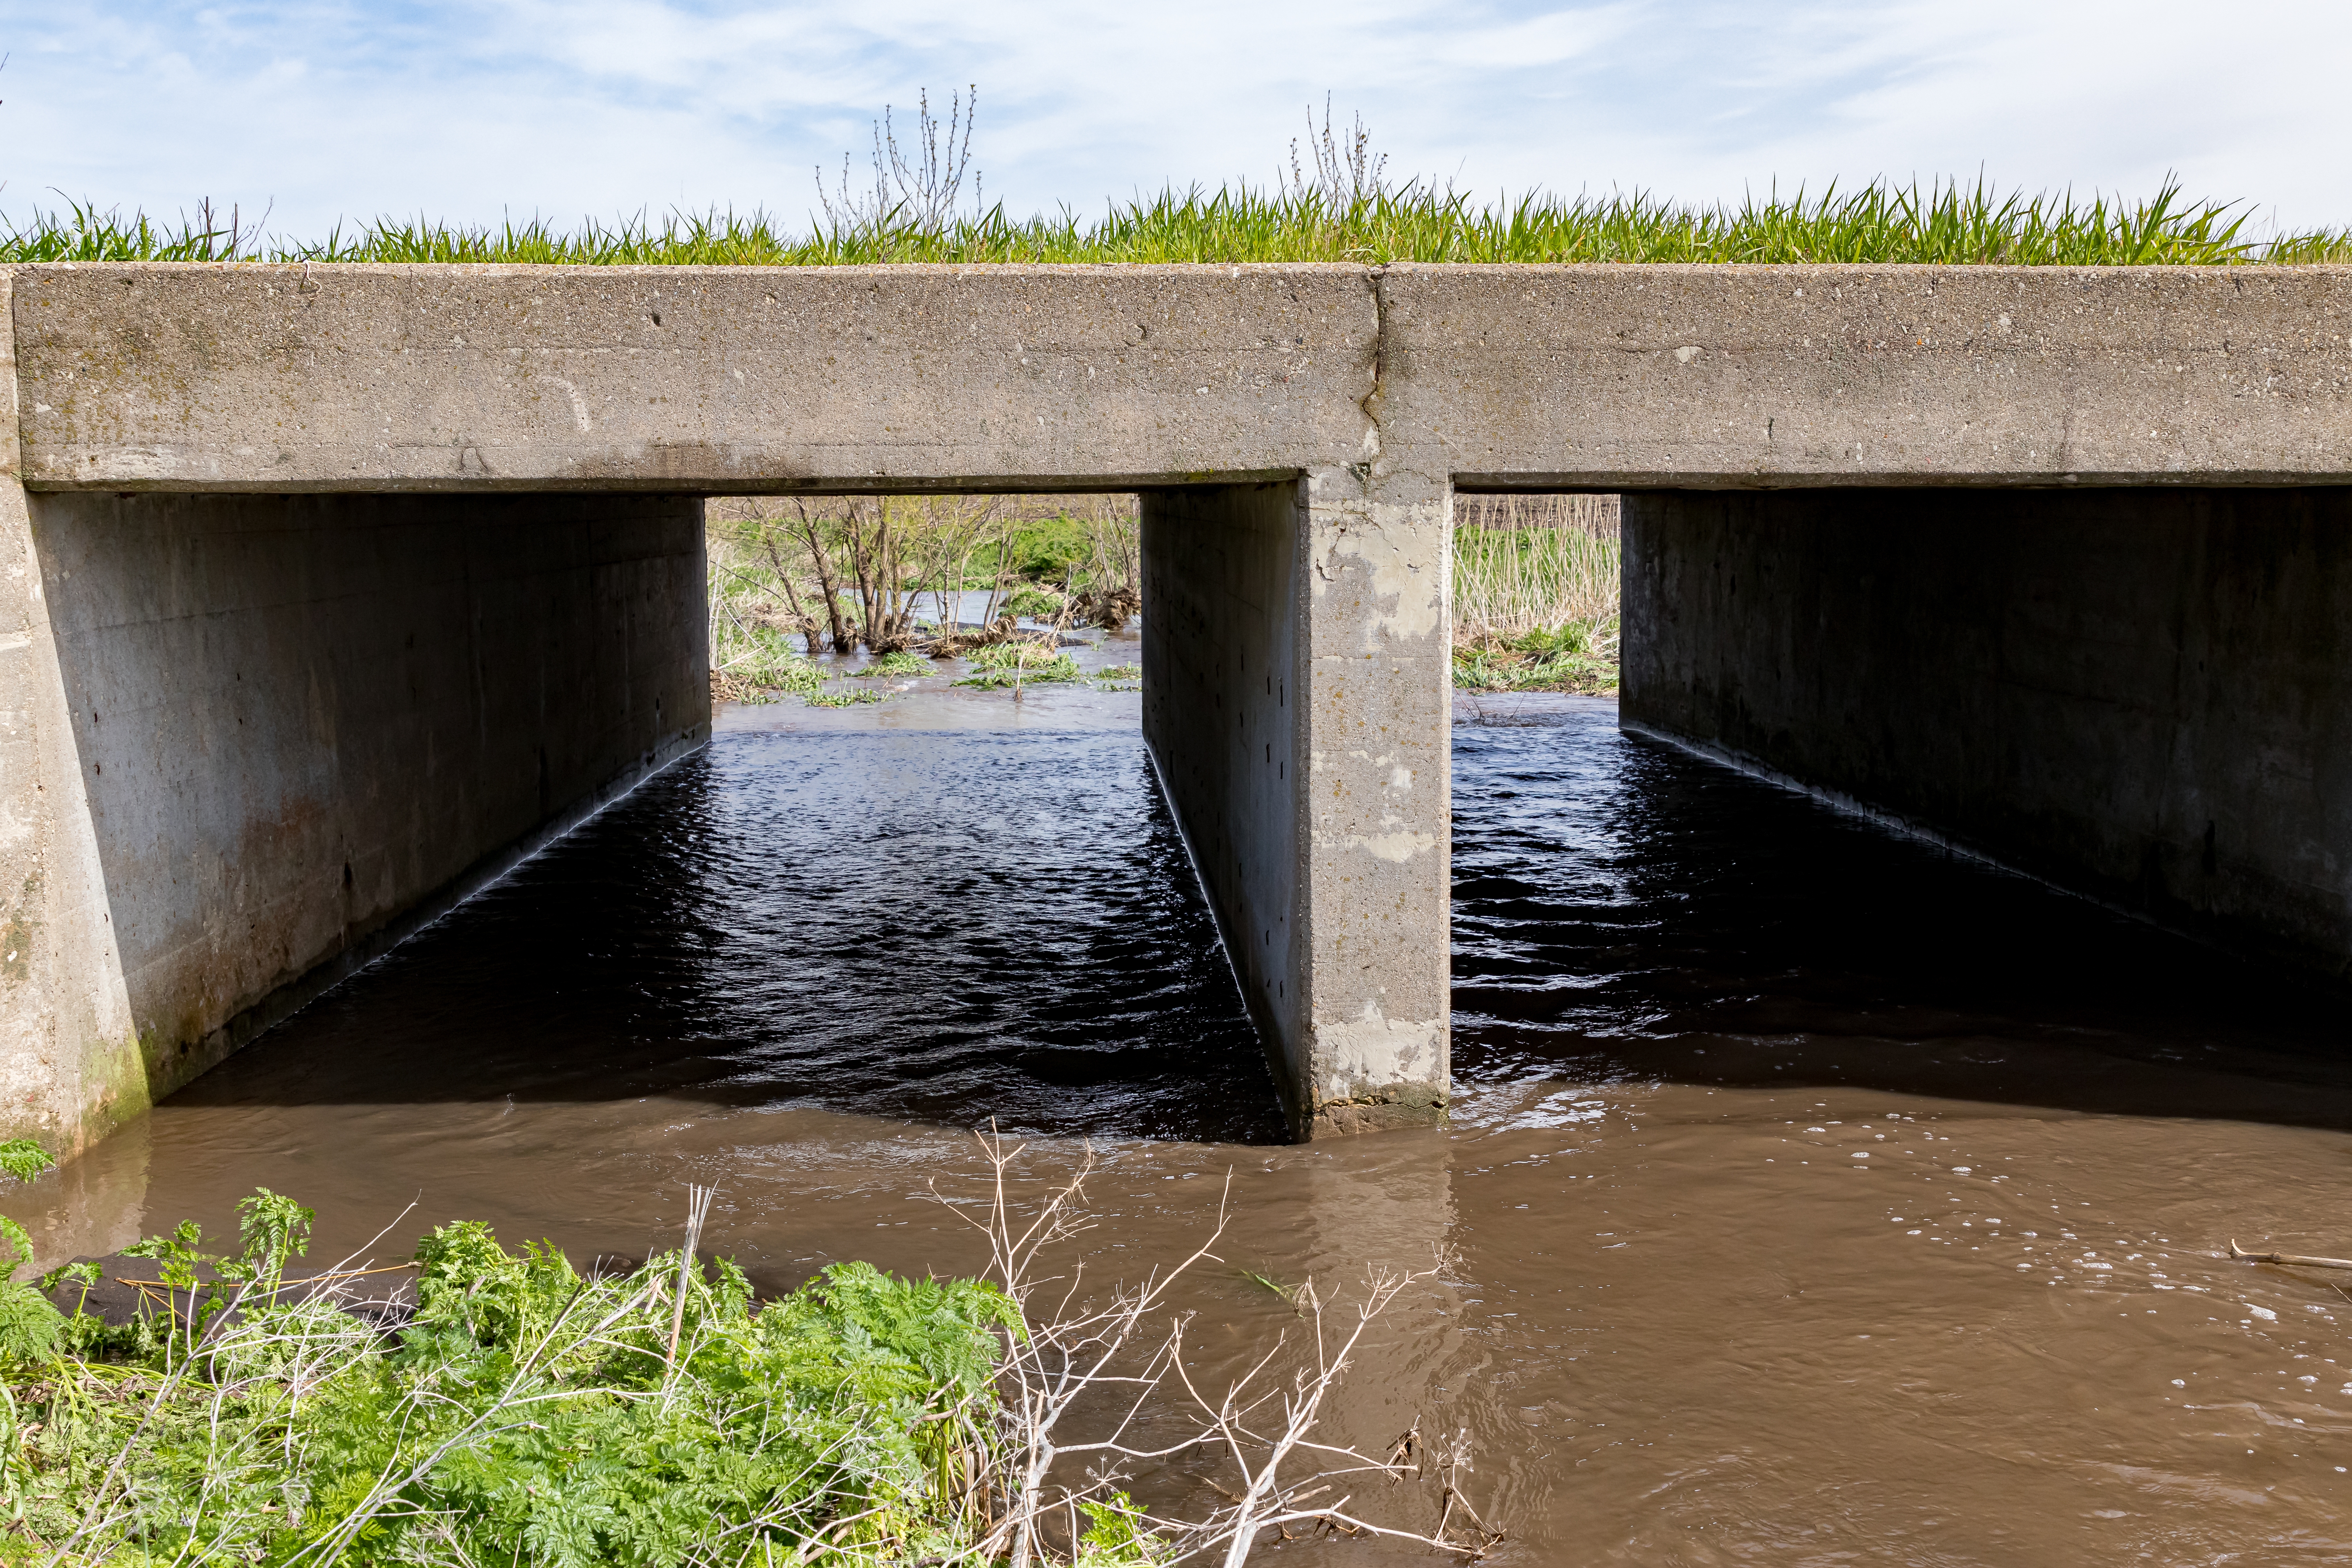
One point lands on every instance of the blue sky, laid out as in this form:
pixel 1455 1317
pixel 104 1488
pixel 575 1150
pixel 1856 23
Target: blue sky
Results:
pixel 466 110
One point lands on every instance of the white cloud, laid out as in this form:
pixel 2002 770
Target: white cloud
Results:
pixel 1549 40
pixel 469 111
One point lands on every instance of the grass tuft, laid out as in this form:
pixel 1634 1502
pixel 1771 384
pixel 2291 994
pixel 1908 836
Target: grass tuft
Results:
pixel 1580 655
pixel 1027 665
pixel 900 662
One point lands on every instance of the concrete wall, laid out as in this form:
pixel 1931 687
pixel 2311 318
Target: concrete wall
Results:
pixel 708 379
pixel 1378 665
pixel 1221 614
pixel 70 1063
pixel 1614 378
pixel 301 725
pixel 1295 675
pixel 2145 695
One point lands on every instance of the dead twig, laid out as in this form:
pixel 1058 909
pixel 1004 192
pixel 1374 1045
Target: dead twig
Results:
pixel 697 1206
pixel 2290 1259
pixel 1405 1453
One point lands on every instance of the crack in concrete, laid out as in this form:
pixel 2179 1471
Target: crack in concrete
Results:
pixel 1370 404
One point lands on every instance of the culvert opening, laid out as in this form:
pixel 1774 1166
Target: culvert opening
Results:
pixel 1030 594
pixel 1536 586
pixel 1893 768
pixel 921 875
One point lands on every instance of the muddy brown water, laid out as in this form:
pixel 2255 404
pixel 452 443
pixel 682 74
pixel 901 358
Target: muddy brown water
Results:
pixel 1812 1196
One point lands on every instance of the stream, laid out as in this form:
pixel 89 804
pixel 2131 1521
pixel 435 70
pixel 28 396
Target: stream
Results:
pixel 1811 1195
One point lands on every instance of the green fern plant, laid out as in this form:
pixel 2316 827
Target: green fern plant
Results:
pixel 528 1412
pixel 29 1325
pixel 24 1158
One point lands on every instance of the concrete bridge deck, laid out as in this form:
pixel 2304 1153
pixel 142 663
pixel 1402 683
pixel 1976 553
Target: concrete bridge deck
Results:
pixel 327 591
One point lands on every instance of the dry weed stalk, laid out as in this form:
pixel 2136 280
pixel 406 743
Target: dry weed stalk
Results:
pixel 1073 1352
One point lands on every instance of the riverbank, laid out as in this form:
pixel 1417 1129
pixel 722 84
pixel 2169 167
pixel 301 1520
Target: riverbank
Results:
pixel 1537 586
pixel 1093 684
pixel 477 1404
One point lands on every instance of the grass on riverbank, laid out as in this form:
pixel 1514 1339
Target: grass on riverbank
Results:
pixel 1945 223
pixel 1535 594
pixel 1576 655
pixel 1009 666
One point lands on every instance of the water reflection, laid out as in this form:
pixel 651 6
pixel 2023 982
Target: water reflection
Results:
pixel 946 928
pixel 1624 910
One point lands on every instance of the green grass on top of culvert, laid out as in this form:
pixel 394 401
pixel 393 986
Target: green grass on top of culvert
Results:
pixel 1946 223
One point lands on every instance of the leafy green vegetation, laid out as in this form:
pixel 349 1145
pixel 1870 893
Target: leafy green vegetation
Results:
pixel 1053 550
pixel 511 1409
pixel 1035 602
pixel 525 1412
pixel 842 698
pixel 1017 655
pixel 24 1158
pixel 749 661
pixel 1946 223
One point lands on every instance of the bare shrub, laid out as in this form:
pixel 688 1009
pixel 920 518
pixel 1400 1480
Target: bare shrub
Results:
pixel 917 187
pixel 1112 1364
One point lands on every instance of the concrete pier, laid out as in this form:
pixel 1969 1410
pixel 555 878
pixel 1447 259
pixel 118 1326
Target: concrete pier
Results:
pixel 324 591
pixel 1296 671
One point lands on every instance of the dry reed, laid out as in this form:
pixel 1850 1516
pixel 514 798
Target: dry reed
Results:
pixel 1525 563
